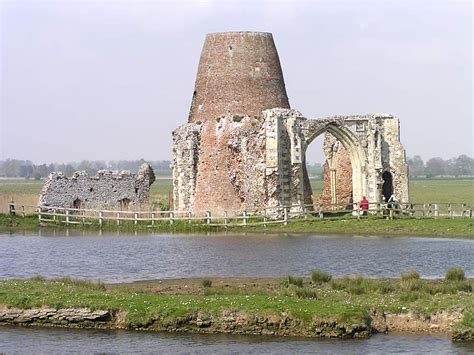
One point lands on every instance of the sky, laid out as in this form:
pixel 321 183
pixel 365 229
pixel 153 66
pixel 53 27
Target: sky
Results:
pixel 110 80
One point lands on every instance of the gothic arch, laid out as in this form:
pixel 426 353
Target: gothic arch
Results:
pixel 358 158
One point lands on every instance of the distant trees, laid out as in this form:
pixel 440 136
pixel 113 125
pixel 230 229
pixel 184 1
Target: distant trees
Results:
pixel 26 168
pixel 463 165
pixel 315 170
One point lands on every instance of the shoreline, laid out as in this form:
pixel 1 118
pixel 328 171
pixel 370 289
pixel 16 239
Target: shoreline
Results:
pixel 340 308
pixel 461 228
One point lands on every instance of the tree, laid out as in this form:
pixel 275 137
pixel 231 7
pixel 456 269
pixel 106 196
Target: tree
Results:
pixel 416 166
pixel 435 167
pixel 463 165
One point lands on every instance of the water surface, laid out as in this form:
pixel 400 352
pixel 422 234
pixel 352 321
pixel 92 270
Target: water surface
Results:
pixel 125 258
pixel 59 341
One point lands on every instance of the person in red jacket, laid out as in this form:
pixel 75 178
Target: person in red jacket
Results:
pixel 364 205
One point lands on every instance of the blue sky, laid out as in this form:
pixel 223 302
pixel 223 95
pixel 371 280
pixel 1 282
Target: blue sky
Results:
pixel 111 79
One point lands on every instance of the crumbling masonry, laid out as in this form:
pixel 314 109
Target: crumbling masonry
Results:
pixel 107 190
pixel 244 148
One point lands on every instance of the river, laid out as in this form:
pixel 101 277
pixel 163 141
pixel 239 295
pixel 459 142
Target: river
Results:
pixel 126 258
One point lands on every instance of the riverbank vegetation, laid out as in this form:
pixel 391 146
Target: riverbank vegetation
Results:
pixel 357 306
pixel 443 227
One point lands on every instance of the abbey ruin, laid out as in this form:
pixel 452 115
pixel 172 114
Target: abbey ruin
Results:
pixel 243 147
pixel 107 190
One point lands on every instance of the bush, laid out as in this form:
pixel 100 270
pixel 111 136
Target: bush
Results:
pixel 306 293
pixel 320 277
pixel 455 274
pixel 206 283
pixel 410 275
pixel 237 118
pixel 295 280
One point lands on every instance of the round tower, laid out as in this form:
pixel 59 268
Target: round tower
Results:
pixel 239 73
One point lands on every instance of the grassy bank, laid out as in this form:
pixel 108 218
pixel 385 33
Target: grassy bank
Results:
pixel 305 302
pixel 459 228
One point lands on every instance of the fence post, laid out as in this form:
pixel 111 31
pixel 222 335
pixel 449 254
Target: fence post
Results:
pixel 245 217
pixel 321 215
pixel 135 218
pixel 436 211
pixel 23 211
pixel 391 213
pixel 450 211
pixel 225 218
pixel 264 222
pixel 189 217
pixel 463 209
pixel 67 217
pixel 39 214
pixel 118 218
pixel 208 217
pixel 358 210
pixel 171 217
pixel 12 207
pixel 101 218
pixel 285 216
pixel 54 214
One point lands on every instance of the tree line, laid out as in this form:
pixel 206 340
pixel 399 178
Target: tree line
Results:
pixel 462 165
pixel 29 170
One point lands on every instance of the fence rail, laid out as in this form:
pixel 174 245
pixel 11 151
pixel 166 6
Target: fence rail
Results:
pixel 264 216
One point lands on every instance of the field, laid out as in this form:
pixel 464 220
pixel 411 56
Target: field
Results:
pixel 421 191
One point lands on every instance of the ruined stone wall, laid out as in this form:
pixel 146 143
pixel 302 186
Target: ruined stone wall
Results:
pixel 219 165
pixel 337 175
pixel 394 158
pixel 107 190
pixel 244 148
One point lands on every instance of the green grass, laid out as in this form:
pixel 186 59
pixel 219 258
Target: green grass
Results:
pixel 347 299
pixel 442 191
pixel 460 227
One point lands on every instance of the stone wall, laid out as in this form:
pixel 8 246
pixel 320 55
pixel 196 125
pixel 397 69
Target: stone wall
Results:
pixel 107 190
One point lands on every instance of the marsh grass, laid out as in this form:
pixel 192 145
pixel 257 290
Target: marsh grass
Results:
pixel 319 277
pixel 455 274
pixel 206 283
pixel 295 280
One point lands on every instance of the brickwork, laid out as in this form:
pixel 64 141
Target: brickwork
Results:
pixel 239 73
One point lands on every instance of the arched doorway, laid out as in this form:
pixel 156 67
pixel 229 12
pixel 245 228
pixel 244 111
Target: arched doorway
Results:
pixel 356 160
pixel 77 203
pixel 387 187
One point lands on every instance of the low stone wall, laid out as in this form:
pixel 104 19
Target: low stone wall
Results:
pixel 65 317
pixel 107 190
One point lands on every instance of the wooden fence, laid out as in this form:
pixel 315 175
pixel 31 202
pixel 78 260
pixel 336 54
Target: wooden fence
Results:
pixel 264 216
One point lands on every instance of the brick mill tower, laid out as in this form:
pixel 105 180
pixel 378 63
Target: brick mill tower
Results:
pixel 239 74
pixel 243 148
